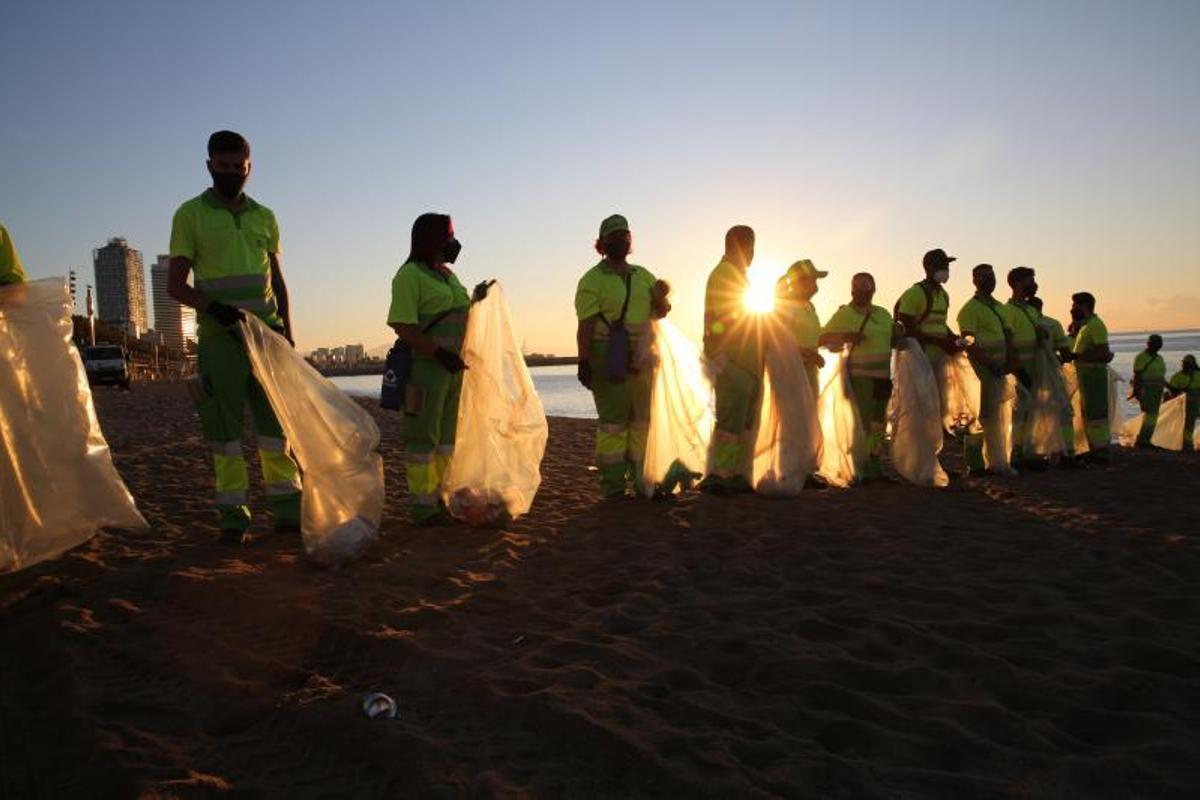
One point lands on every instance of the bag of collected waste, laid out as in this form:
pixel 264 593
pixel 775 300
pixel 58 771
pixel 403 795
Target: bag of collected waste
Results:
pixel 916 416
pixel 681 413
pixel 844 440
pixel 787 438
pixel 335 442
pixel 1115 416
pixel 58 485
pixel 1168 430
pixel 1048 402
pixel 502 430
pixel 965 404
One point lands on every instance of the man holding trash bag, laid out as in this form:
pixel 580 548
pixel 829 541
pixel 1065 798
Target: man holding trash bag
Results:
pixel 11 270
pixel 1187 382
pixel 1061 343
pixel 1091 357
pixel 1149 375
pixel 923 308
pixel 869 332
pixel 991 353
pixel 428 312
pixel 1027 337
pixel 795 292
pixel 733 348
pixel 614 303
pixel 231 245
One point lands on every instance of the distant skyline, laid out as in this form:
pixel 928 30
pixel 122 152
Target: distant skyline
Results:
pixel 1059 135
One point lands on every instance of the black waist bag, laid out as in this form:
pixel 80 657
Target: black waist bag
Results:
pixel 397 369
pixel 620 352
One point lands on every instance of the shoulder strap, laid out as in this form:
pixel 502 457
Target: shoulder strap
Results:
pixel 433 322
pixel 1004 328
pixel 928 304
pixel 624 306
pixel 861 328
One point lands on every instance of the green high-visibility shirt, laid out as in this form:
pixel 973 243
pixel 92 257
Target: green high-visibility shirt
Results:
pixel 913 303
pixel 420 294
pixel 1186 381
pixel 1023 318
pixel 601 292
pixel 11 270
pixel 1094 332
pixel 800 316
pixel 872 357
pixel 986 320
pixel 1149 368
pixel 230 253
pixel 1057 334
pixel 731 328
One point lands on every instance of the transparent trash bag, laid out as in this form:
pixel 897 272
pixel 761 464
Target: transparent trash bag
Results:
pixel 787 437
pixel 1168 430
pixel 502 431
pixel 1049 403
pixel 844 440
pixel 681 413
pixel 1115 417
pixel 963 392
pixel 335 441
pixel 58 485
pixel 916 415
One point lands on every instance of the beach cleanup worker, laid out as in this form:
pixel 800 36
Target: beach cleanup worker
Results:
pixel 794 294
pixel 230 244
pixel 1187 381
pixel 870 334
pixel 733 348
pixel 428 312
pixel 1027 337
pixel 985 321
pixel 1062 344
pixel 1091 357
pixel 922 310
pixel 615 302
pixel 1149 376
pixel 11 270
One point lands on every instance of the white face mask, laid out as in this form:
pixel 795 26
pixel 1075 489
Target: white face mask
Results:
pixel 942 275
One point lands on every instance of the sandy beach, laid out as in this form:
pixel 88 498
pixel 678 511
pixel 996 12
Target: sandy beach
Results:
pixel 1037 637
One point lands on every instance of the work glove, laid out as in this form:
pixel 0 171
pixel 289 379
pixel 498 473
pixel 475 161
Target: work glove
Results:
pixel 812 357
pixel 282 331
pixel 948 344
pixel 226 315
pixel 451 362
pixel 481 290
pixel 584 374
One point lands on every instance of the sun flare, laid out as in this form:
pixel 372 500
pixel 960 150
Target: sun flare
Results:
pixel 760 294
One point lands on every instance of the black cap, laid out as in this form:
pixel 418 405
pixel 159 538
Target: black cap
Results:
pixel 937 258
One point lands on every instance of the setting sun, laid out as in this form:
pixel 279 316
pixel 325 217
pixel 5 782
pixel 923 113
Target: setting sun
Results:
pixel 760 295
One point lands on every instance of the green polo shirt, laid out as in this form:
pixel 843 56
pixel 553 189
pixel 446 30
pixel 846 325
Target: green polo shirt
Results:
pixel 1094 332
pixel 913 303
pixel 1149 369
pixel 420 294
pixel 601 292
pixel 1024 321
pixel 986 320
pixel 11 270
pixel 801 319
pixel 230 254
pixel 872 357
pixel 730 328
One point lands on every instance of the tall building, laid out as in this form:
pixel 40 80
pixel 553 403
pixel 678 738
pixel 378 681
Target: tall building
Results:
pixel 176 323
pixel 121 286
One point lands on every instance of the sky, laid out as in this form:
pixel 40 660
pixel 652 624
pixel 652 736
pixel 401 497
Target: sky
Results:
pixel 1058 135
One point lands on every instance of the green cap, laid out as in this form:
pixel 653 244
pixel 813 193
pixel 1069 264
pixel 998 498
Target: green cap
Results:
pixel 805 268
pixel 612 225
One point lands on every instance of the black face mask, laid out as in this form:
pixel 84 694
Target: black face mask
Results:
pixel 450 250
pixel 228 184
pixel 1033 287
pixel 617 249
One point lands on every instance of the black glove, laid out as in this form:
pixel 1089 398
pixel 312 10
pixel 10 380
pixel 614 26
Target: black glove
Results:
pixel 584 374
pixel 450 361
pixel 226 315
pixel 481 290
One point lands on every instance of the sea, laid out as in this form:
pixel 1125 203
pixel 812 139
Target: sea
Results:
pixel 562 396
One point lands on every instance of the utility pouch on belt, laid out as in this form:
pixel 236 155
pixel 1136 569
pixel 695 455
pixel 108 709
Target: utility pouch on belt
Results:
pixel 398 368
pixel 414 399
pixel 620 351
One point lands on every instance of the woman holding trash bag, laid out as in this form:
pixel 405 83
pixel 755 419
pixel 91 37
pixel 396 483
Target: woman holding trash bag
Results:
pixel 424 370
pixel 614 302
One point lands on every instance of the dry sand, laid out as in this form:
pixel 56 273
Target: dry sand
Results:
pixel 1018 638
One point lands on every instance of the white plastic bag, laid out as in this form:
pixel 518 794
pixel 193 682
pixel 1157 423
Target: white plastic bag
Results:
pixel 1048 402
pixel 787 438
pixel 1168 430
pixel 58 485
pixel 963 393
pixel 502 430
pixel 335 441
pixel 844 440
pixel 681 413
pixel 915 412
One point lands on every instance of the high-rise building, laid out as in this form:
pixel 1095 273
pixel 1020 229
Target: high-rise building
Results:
pixel 355 353
pixel 175 322
pixel 121 286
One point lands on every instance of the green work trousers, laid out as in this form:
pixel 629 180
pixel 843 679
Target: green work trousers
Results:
pixel 871 396
pixel 1149 397
pixel 430 423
